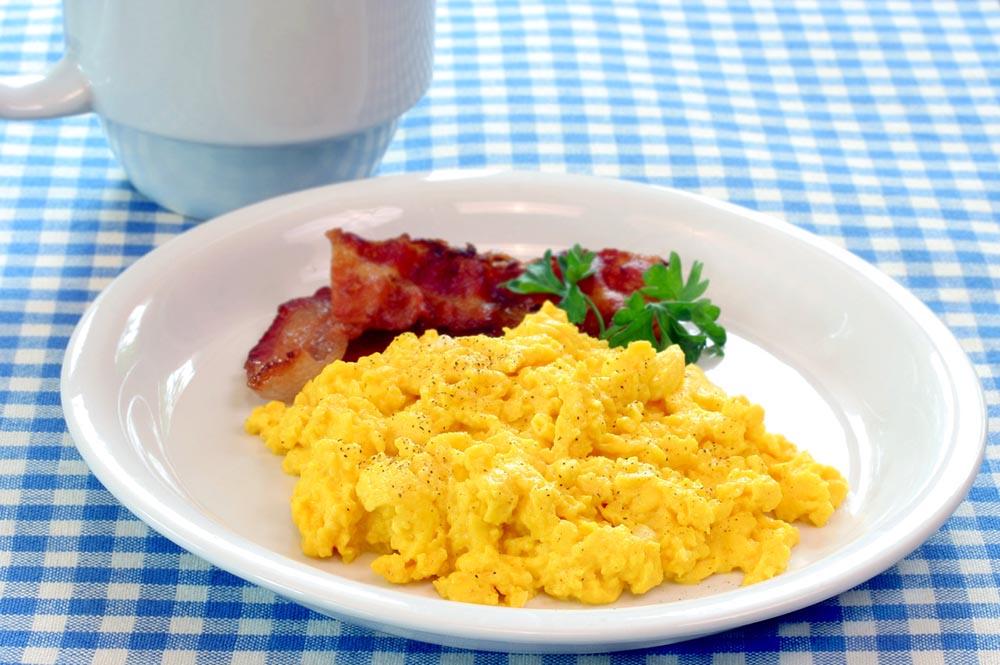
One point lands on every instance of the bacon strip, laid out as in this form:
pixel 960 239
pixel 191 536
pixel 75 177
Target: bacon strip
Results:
pixel 380 288
pixel 617 275
pixel 404 284
pixel 299 343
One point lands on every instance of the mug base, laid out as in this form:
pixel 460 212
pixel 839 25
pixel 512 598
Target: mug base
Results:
pixel 204 180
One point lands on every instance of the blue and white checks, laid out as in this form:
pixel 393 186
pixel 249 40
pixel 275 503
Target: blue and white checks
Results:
pixel 874 123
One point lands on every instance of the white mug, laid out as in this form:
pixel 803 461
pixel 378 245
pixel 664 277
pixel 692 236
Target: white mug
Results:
pixel 210 105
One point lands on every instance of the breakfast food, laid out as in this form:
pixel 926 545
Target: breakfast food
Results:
pixel 542 460
pixel 389 286
pixel 302 340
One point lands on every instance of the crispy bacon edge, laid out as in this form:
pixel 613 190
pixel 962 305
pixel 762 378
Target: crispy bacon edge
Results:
pixel 302 339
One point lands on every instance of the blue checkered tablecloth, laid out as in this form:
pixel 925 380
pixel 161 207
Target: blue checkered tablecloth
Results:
pixel 873 123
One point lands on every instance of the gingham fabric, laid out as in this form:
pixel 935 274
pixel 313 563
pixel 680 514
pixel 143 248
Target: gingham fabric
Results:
pixel 873 123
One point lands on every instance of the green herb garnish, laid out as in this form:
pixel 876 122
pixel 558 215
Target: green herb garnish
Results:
pixel 668 310
pixel 659 311
pixel 574 266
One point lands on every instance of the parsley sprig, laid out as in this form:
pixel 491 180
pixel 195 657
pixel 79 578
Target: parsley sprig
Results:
pixel 575 265
pixel 668 309
pixel 659 311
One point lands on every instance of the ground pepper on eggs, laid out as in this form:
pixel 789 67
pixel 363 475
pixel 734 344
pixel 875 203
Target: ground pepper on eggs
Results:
pixel 541 461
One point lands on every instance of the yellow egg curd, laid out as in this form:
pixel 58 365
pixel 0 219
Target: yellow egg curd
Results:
pixel 540 461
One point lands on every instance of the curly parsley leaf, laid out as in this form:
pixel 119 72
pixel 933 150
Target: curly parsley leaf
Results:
pixel 574 266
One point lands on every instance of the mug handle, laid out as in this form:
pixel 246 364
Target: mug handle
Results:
pixel 62 91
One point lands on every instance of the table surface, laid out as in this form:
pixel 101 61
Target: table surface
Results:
pixel 874 124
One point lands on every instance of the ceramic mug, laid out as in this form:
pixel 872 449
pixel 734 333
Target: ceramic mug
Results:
pixel 210 105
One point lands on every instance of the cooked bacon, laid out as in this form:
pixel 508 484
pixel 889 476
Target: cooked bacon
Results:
pixel 617 275
pixel 380 288
pixel 404 284
pixel 300 342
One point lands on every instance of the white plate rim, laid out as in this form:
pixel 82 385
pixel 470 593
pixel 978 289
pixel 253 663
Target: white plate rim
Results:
pixel 529 629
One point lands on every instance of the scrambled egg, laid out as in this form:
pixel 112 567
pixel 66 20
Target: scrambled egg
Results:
pixel 540 461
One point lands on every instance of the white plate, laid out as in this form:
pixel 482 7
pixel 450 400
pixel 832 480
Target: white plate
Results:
pixel 846 362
